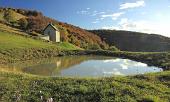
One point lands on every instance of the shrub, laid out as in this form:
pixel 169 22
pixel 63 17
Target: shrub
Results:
pixel 150 99
pixel 94 47
pixel 23 23
pixel 9 15
pixel 113 48
pixel 21 11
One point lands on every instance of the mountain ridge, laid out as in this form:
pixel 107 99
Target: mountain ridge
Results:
pixel 134 41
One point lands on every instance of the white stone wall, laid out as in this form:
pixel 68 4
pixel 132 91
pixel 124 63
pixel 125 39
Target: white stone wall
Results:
pixel 45 37
pixel 57 36
pixel 53 34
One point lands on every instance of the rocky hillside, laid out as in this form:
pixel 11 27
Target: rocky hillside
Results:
pixel 34 22
pixel 134 41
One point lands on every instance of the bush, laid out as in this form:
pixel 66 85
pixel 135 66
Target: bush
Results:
pixel 94 47
pixel 113 48
pixel 23 23
pixel 151 99
pixel 9 15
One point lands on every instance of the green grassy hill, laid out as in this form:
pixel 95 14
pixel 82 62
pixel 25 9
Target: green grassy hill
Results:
pixel 13 41
pixel 14 47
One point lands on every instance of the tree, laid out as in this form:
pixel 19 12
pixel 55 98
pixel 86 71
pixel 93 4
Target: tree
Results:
pixel 21 11
pixel 37 23
pixel 9 15
pixel 23 23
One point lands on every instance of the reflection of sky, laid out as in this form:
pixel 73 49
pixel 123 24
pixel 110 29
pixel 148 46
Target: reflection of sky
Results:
pixel 85 66
pixel 93 68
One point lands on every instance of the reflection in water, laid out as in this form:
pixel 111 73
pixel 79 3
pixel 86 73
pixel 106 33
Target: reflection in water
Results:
pixel 82 66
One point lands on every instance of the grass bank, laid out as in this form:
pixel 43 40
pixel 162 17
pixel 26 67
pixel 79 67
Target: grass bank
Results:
pixel 14 41
pixel 15 47
pixel 140 88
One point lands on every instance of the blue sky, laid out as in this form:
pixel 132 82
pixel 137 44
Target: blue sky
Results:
pixel 151 16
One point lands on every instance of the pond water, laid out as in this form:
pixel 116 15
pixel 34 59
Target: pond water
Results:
pixel 82 66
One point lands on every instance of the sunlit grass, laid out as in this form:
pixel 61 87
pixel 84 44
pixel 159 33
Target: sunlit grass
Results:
pixel 149 87
pixel 12 41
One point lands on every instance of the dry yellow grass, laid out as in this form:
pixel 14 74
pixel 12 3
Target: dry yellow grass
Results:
pixel 6 28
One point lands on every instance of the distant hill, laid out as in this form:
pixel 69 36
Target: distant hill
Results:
pixel 33 22
pixel 134 41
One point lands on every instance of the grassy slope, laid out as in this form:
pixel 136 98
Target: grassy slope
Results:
pixel 16 16
pixel 1 15
pixel 68 46
pixel 141 88
pixel 7 37
pixel 15 47
pixel 11 41
pixel 9 29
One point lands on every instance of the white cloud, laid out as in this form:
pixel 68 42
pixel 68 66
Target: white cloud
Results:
pixel 125 24
pixel 112 61
pixel 115 72
pixel 97 19
pixel 95 13
pixel 139 64
pixel 101 18
pixel 95 22
pixel 88 12
pixel 139 3
pixel 169 6
pixel 124 66
pixel 114 16
pixel 83 12
pixel 142 26
pixel 111 27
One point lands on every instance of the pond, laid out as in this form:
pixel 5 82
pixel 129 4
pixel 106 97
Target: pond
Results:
pixel 82 66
